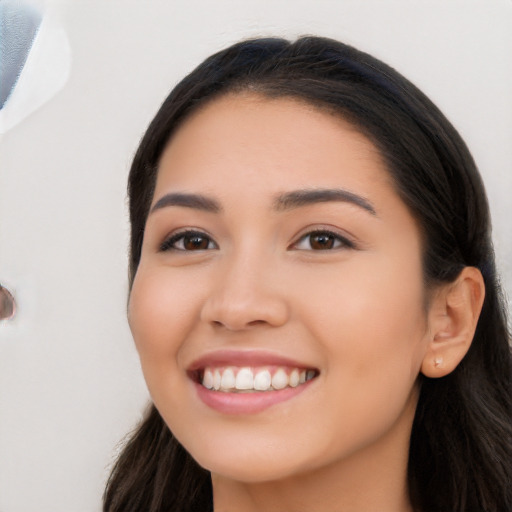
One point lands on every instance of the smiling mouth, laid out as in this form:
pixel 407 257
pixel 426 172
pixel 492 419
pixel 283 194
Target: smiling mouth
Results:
pixel 233 379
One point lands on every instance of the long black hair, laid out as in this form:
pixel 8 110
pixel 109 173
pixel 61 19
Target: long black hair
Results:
pixel 461 448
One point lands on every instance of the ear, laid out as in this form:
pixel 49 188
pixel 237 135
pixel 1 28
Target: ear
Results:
pixel 453 316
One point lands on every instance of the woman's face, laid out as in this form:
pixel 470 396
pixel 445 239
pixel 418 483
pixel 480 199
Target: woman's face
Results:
pixel 277 252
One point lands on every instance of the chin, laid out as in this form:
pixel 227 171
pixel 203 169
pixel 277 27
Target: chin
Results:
pixel 253 473
pixel 248 467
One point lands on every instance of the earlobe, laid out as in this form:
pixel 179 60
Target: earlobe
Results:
pixel 453 317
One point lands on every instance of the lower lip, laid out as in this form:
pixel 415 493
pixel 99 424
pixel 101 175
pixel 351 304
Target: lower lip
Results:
pixel 246 403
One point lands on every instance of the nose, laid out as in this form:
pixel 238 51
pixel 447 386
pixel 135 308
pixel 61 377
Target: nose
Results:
pixel 246 294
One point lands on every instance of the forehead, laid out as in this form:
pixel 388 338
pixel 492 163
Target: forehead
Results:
pixel 253 138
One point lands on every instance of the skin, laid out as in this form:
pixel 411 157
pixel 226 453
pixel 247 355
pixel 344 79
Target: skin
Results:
pixel 355 313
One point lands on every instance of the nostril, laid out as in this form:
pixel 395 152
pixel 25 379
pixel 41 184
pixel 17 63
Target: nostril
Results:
pixel 249 306
pixel 256 322
pixel 238 324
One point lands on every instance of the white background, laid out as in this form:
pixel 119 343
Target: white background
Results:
pixel 70 383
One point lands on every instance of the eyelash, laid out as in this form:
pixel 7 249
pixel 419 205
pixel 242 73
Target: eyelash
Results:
pixel 338 241
pixel 170 243
pixel 341 241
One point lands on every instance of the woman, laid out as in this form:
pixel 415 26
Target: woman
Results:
pixel 313 296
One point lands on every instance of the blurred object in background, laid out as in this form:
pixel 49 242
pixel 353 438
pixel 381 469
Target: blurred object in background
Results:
pixel 7 304
pixel 34 59
pixel 18 28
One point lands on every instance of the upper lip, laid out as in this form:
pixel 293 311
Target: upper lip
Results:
pixel 245 358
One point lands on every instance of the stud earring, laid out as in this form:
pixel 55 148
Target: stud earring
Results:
pixel 438 362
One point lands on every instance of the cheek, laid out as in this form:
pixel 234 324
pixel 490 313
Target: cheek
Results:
pixel 160 314
pixel 371 315
pixel 162 311
pixel 371 331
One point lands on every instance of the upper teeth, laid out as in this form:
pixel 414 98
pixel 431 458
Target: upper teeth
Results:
pixel 247 379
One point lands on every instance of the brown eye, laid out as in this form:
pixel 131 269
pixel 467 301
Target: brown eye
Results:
pixel 188 241
pixel 322 241
pixel 195 242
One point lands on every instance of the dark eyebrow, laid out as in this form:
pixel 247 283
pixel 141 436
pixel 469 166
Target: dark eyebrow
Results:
pixel 298 198
pixel 195 201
